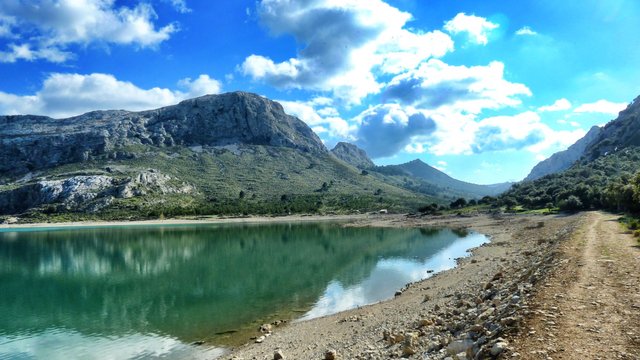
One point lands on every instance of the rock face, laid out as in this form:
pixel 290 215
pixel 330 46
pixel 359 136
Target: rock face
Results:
pixel 87 193
pixel 29 143
pixel 353 155
pixel 563 160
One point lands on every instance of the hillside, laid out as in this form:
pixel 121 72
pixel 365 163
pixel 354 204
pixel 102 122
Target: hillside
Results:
pixel 622 132
pixel 606 177
pixel 421 177
pixel 234 153
pixel 563 160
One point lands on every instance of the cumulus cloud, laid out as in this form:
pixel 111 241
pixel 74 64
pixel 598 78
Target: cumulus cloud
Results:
pixel 478 28
pixel 526 31
pixel 202 85
pixel 465 134
pixel 525 130
pixel 47 28
pixel 436 84
pixel 321 116
pixel 386 129
pixel 602 107
pixel 343 43
pixel 558 105
pixel 64 95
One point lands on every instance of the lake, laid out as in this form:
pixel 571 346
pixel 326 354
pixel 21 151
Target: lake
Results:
pixel 137 292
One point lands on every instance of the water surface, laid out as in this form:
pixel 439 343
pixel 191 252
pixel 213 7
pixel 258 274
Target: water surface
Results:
pixel 151 291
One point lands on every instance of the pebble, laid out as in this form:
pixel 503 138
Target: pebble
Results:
pixel 330 355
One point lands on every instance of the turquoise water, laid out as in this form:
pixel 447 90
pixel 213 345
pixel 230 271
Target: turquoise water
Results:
pixel 150 292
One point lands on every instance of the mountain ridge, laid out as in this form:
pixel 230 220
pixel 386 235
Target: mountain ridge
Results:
pixel 563 160
pixel 35 142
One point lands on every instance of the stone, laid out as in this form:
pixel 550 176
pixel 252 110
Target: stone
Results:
pixel 498 348
pixel 459 346
pixel 330 355
pixel 509 321
pixel 265 328
pixel 277 355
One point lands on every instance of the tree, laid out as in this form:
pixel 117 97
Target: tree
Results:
pixel 572 203
pixel 460 202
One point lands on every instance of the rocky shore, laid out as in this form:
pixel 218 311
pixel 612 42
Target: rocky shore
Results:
pixel 469 312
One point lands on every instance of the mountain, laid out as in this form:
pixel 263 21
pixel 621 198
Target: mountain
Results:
pixel 34 142
pixel 620 133
pixel 429 180
pixel 605 177
pixel 562 160
pixel 233 153
pixel 353 155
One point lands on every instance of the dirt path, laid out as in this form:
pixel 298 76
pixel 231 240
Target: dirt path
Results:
pixel 590 307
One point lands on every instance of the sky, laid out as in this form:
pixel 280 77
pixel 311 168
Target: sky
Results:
pixel 482 90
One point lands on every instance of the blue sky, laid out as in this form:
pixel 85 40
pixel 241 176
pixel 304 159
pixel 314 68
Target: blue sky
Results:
pixel 480 89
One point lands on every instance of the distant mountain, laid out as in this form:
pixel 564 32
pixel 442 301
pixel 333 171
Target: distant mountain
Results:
pixel 432 181
pixel 353 155
pixel 562 160
pixel 234 153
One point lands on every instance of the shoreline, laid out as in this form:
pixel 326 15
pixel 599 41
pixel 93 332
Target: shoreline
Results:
pixel 445 314
pixel 197 221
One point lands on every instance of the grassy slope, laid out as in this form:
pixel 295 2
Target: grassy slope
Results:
pixel 273 180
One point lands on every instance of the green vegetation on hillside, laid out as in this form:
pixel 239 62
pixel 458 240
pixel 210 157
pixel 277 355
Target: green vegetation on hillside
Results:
pixel 610 182
pixel 256 180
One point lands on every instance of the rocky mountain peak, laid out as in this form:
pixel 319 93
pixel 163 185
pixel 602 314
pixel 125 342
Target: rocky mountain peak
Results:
pixel 351 154
pixel 30 143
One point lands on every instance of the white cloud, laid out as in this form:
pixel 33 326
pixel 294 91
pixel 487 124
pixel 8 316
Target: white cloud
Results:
pixel 24 52
pixel 50 27
pixel 526 31
pixel 64 95
pixel 521 131
pixel 179 5
pixel 601 106
pixel 319 114
pixel 477 27
pixel 200 86
pixel 442 163
pixel 345 45
pixel 470 89
pixel 457 134
pixel 558 105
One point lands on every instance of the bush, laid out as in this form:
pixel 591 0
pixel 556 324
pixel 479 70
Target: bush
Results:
pixel 458 203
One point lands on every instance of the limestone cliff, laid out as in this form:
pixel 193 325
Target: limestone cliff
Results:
pixel 29 143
